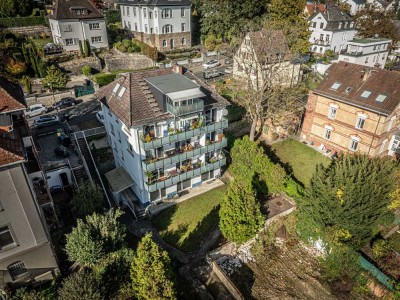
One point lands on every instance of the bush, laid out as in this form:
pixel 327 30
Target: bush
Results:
pixel 380 248
pixel 22 21
pixel 113 16
pixel 86 70
pixel 104 79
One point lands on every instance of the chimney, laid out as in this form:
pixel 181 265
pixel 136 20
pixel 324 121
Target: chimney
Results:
pixel 177 69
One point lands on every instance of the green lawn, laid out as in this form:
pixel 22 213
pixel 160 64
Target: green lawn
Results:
pixel 41 42
pixel 186 224
pixel 302 158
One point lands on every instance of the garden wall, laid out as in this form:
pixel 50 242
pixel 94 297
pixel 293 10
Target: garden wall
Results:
pixel 74 67
pixel 229 285
pixel 31 30
pixel 133 61
pixel 47 99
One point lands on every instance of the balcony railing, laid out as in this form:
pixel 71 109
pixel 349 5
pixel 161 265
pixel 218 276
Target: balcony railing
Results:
pixel 352 53
pixel 322 42
pixel 161 163
pixel 169 139
pixel 183 176
pixel 187 109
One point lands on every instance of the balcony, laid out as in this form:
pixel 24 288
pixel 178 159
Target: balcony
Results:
pixel 321 42
pixel 353 53
pixel 182 136
pixel 175 177
pixel 178 156
pixel 187 109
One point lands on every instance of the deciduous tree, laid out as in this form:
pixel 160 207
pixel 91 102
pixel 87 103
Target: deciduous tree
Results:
pixel 151 272
pixel 55 78
pixel 87 200
pixel 240 215
pixel 7 8
pixel 79 286
pixel 348 200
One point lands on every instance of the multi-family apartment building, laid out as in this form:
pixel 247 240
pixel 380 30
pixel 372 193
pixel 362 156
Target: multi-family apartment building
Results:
pixel 331 29
pixel 353 6
pixel 264 58
pixel 355 109
pixel 370 52
pixel 75 21
pixel 162 24
pixel 166 131
pixel 26 254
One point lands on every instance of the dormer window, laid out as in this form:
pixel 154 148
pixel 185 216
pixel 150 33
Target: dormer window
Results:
pixel 80 12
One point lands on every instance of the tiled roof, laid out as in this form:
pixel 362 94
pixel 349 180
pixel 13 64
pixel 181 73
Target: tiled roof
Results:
pixel 64 9
pixel 335 16
pixel 10 151
pixel 315 8
pixel 137 105
pixel 357 80
pixel 156 2
pixel 11 96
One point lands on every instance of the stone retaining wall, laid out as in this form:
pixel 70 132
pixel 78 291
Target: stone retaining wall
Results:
pixel 74 66
pixel 132 61
pixel 48 99
pixel 31 30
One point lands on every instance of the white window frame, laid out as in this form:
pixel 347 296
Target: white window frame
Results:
pixel 183 41
pixel 390 125
pixel 183 27
pixel 69 42
pixel 395 144
pixel 166 13
pixel 354 144
pixel 332 112
pixel 360 121
pixel 17 270
pixel 183 12
pixel 67 27
pixel 167 29
pixel 5 229
pixel 328 132
pixel 94 26
pixel 383 146
pixel 164 43
pixel 128 12
pixel 96 39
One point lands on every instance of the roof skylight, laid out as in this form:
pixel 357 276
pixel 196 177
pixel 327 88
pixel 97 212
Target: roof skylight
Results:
pixel 335 86
pixel 116 88
pixel 366 94
pixel 121 92
pixel 381 98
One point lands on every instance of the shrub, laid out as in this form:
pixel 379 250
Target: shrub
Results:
pixel 210 42
pixel 104 79
pixel 380 248
pixel 86 70
pixel 22 21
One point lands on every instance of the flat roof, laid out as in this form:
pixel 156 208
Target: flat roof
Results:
pixel 119 180
pixel 369 40
pixel 188 94
pixel 172 82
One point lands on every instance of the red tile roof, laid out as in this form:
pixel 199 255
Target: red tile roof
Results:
pixel 355 79
pixel 11 96
pixel 317 7
pixel 10 151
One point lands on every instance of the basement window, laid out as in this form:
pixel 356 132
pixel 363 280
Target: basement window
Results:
pixel 366 94
pixel 380 98
pixel 335 86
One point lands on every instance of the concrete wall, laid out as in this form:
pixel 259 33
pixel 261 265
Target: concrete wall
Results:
pixel 75 66
pixel 48 99
pixel 132 61
pixel 229 285
pixel 31 30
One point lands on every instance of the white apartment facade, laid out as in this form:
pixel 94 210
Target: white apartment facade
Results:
pixel 76 21
pixel 370 52
pixel 330 30
pixel 354 5
pixel 162 24
pixel 166 134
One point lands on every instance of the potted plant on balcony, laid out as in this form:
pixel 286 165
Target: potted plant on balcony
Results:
pixel 195 124
pixel 220 137
pixel 208 142
pixel 149 176
pixel 148 138
pixel 187 147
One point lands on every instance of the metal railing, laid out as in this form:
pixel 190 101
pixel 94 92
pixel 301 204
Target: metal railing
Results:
pixel 169 139
pixel 186 175
pixel 183 156
pixel 187 109
pixel 94 131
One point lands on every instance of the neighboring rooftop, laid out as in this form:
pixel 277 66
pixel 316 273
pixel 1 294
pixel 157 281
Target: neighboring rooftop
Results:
pixel 335 17
pixel 369 40
pixel 11 97
pixel 156 2
pixel 130 98
pixel 11 151
pixel 72 9
pixel 315 8
pixel 373 89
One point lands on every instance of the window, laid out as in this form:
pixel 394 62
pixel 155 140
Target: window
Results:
pixel 366 59
pixel 366 94
pixel 383 56
pixel 145 28
pixel 128 11
pixel 360 122
pixel 129 25
pixel 314 25
pixel 332 112
pixel 321 25
pixel 144 13
pixel 119 137
pixel 354 144
pixel 96 39
pixel 392 119
pixel 115 89
pixel 383 146
pixel 166 13
pixel 112 129
pixel 93 26
pixel 164 44
pixel 340 25
pixel 69 42
pixel 327 132
pixel 6 238
pixel 380 98
pixel 396 143
pixel 183 27
pixel 151 30
pixel 182 12
pixel 150 15
pixel 17 270
pixel 183 41
pixel 335 86
pixel 123 10
pixel 80 11
pixel 136 27
pixel 67 28
pixel 155 14
pixel 134 11
pixel 121 92
pixel 130 149
pixel 167 29
pixel 115 147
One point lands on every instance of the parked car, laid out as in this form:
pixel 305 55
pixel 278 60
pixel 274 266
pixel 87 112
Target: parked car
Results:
pixel 100 117
pixel 211 64
pixel 45 121
pixel 211 74
pixel 35 110
pixel 228 70
pixel 65 102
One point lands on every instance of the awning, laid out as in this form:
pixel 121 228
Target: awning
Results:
pixel 186 94
pixel 118 180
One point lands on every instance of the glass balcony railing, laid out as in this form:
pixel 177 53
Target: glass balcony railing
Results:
pixel 183 176
pixel 181 156
pixel 187 109
pixel 182 136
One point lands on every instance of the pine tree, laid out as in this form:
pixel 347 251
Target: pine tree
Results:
pixel 151 272
pixel 348 200
pixel 55 78
pixel 240 215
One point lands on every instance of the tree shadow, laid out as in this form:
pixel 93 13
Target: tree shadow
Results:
pixel 164 218
pixel 173 237
pixel 244 279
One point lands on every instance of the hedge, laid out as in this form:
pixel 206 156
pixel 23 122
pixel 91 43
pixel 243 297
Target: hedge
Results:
pixel 22 21
pixel 104 79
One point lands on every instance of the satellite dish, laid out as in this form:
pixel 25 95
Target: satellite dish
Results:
pixel 225 112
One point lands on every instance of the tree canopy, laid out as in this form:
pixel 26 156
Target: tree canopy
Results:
pixel 87 200
pixel 151 272
pixel 82 285
pixel 55 78
pixel 348 200
pixel 240 217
